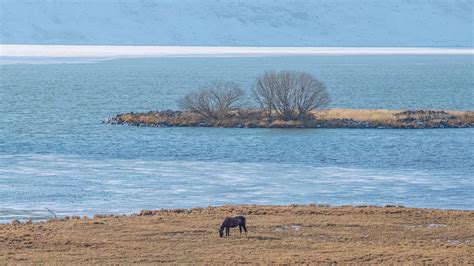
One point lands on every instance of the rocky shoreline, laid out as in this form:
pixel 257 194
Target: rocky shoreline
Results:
pixel 329 118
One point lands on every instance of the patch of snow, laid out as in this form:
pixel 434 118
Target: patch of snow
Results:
pixel 94 51
pixel 437 225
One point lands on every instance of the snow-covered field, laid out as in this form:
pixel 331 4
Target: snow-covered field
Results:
pixel 161 51
pixel 309 23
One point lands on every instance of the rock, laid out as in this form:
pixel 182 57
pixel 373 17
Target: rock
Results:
pixel 146 213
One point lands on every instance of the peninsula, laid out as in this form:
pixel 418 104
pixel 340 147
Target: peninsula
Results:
pixel 324 118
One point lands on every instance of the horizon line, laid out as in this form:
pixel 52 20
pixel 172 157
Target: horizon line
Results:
pixel 117 51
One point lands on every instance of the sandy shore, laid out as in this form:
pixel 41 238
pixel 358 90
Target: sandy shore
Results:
pixel 277 234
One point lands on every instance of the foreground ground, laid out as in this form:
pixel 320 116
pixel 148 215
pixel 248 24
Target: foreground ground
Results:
pixel 277 234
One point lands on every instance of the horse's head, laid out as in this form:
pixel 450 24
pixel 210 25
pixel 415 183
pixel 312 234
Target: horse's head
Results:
pixel 221 232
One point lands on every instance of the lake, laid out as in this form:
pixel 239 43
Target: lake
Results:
pixel 56 154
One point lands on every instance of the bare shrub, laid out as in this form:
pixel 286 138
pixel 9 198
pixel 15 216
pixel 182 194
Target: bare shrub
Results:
pixel 291 95
pixel 214 101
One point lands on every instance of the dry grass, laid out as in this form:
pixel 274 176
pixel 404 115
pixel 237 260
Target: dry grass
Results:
pixel 369 115
pixel 277 234
pixel 384 116
pixel 466 116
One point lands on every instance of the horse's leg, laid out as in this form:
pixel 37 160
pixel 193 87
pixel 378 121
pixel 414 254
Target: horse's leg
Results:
pixel 227 231
pixel 245 229
pixel 240 229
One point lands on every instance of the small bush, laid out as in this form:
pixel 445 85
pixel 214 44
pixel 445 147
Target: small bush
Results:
pixel 214 101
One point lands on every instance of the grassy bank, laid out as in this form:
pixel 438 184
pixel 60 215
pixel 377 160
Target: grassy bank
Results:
pixel 277 234
pixel 327 118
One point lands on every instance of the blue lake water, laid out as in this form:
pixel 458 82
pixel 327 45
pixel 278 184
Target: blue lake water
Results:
pixel 55 153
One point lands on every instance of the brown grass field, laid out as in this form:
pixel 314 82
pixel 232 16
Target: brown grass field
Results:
pixel 277 234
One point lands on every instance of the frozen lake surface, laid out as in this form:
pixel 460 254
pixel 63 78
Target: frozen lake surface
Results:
pixel 56 154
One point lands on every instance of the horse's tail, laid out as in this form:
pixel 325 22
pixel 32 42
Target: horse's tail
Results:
pixel 242 223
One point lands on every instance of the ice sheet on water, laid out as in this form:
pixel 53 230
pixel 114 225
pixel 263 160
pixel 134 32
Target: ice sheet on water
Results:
pixel 71 185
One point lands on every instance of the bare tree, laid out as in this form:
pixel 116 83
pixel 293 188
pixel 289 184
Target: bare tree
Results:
pixel 213 101
pixel 291 95
pixel 264 92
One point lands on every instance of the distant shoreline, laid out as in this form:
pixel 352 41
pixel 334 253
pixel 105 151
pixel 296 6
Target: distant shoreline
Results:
pixel 110 51
pixel 325 118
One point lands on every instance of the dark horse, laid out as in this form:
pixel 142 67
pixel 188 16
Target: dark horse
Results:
pixel 232 222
